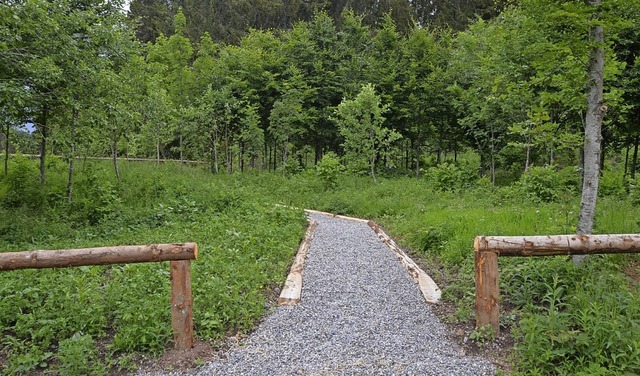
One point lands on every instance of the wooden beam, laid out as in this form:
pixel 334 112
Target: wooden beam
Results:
pixel 181 304
pixel 556 245
pixel 97 256
pixel 487 290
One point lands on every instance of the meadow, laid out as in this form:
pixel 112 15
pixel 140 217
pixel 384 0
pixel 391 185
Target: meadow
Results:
pixel 96 320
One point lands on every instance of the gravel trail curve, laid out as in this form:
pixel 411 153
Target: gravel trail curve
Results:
pixel 360 314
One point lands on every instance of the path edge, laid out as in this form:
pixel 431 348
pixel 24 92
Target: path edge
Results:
pixel 427 286
pixel 292 291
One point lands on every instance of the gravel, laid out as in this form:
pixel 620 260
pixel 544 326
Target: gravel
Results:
pixel 361 314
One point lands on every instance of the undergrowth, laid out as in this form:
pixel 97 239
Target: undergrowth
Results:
pixel 61 320
pixel 566 320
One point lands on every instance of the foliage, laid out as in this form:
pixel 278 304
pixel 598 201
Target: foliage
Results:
pixel 360 122
pixel 546 184
pixel 328 170
pixel 589 325
pixel 246 245
pixel 20 186
pixel 449 177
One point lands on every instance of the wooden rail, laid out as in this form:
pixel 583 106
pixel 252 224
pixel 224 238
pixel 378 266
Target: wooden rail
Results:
pixel 179 256
pixel 488 248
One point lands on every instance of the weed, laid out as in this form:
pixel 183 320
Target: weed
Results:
pixel 482 334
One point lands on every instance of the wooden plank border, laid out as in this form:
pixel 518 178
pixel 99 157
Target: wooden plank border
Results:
pixel 292 291
pixel 429 289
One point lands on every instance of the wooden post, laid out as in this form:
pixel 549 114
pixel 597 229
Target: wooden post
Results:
pixel 487 289
pixel 181 304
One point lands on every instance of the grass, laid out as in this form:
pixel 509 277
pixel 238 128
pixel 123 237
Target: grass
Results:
pixel 566 320
pixel 49 316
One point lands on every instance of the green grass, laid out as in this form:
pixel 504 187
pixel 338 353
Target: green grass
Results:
pixel 566 320
pixel 48 316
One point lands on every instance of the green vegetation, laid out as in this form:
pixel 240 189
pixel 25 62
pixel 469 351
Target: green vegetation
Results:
pixel 83 320
pixel 487 114
pixel 62 319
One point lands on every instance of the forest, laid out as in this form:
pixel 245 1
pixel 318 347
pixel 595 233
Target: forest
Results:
pixel 512 88
pixel 124 122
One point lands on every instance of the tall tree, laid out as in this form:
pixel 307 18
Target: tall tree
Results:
pixel 360 121
pixel 596 110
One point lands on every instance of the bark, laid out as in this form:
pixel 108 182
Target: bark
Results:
pixel 487 301
pixel 626 164
pixel 557 245
pixel 72 156
pixel 634 163
pixel 43 143
pixel 592 134
pixel 97 256
pixel 6 151
pixel 418 157
pixel 528 160
pixel 214 153
pixel 181 304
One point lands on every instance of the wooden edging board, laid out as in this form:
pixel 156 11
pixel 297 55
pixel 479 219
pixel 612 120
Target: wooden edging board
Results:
pixel 291 293
pixel 429 289
pixel 292 290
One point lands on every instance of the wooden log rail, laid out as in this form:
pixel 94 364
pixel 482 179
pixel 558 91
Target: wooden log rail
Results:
pixel 179 255
pixel 488 248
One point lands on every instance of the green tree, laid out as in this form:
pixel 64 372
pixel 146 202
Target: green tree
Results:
pixel 360 123
pixel 289 117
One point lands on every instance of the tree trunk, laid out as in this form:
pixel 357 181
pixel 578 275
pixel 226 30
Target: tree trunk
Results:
pixel 6 151
pixel 181 152
pixel 214 153
pixel 626 165
pixel 634 163
pixel 418 157
pixel 72 156
pixel 603 149
pixel 43 143
pixel 592 133
pixel 114 153
pixel 528 160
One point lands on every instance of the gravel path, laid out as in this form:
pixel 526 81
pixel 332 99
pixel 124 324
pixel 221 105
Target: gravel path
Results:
pixel 361 314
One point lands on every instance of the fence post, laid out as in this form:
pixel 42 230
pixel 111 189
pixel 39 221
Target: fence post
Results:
pixel 487 288
pixel 181 304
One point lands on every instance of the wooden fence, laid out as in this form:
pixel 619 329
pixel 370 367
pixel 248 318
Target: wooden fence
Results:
pixel 179 256
pixel 488 248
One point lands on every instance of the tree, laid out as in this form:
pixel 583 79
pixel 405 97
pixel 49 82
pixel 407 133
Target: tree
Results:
pixel 153 18
pixel 596 110
pixel 288 116
pixel 360 123
pixel 174 56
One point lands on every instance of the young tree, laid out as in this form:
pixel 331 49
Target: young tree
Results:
pixel 360 123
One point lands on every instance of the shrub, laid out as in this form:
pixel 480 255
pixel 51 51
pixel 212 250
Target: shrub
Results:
pixel 96 197
pixel 546 184
pixel 329 170
pixel 449 177
pixel 21 187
